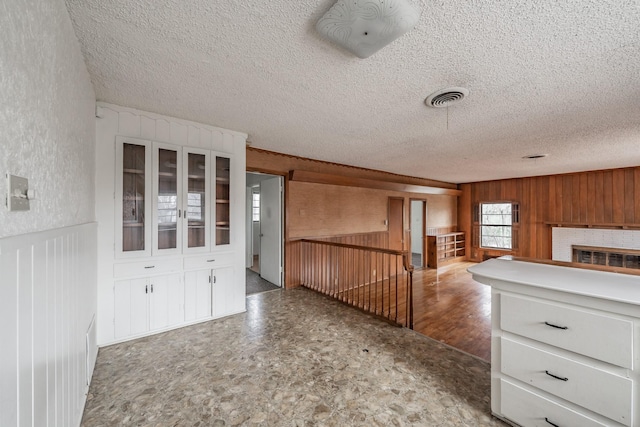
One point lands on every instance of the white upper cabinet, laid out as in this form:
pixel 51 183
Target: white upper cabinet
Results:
pixel 197 203
pixel 222 235
pixel 132 199
pixel 167 199
pixel 172 199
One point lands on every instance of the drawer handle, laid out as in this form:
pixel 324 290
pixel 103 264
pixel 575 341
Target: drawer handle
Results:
pixel 210 260
pixel 556 377
pixel 149 266
pixel 556 326
pixel 553 424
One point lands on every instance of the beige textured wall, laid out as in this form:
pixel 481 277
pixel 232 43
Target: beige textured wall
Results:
pixel 46 117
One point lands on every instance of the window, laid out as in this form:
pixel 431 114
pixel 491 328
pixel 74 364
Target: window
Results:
pixel 496 224
pixel 256 207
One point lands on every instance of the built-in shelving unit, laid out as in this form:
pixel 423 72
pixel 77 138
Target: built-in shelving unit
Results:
pixel 172 256
pixel 445 248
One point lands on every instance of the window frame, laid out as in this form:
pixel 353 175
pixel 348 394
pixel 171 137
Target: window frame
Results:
pixel 255 209
pixel 515 222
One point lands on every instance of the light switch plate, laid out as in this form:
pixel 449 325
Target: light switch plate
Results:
pixel 17 188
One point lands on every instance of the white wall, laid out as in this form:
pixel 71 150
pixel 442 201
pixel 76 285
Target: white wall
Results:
pixel 47 127
pixel 48 275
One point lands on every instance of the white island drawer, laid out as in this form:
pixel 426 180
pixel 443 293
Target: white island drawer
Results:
pixel 147 268
pixel 596 335
pixel 529 409
pixel 601 391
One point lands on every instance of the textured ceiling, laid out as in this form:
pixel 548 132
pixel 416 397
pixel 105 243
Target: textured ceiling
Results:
pixel 546 76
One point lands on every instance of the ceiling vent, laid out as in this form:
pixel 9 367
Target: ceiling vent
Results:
pixel 446 97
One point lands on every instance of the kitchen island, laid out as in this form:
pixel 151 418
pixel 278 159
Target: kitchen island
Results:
pixel 565 344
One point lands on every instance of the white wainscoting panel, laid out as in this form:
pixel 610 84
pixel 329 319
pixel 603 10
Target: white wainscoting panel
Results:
pixel 47 305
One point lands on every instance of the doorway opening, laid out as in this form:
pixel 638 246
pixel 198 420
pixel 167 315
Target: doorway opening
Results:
pixel 418 221
pixel 264 223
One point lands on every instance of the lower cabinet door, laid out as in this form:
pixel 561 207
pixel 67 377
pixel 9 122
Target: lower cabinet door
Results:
pixel 197 295
pixel 226 299
pixel 529 409
pixel 166 299
pixel 147 304
pixel 131 315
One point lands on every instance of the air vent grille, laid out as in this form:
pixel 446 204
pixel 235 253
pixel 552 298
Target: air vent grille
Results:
pixel 446 97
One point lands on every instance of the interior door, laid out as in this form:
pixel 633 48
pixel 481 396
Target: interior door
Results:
pixel 396 223
pixel 271 230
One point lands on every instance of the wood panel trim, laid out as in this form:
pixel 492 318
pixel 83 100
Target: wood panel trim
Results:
pixel 400 177
pixel 322 178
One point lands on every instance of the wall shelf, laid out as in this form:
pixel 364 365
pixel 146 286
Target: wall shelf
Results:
pixel 445 248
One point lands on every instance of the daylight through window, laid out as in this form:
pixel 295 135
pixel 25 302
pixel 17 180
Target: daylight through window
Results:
pixel 256 206
pixel 495 225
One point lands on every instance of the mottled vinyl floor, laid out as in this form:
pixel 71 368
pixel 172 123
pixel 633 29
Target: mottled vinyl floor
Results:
pixel 295 358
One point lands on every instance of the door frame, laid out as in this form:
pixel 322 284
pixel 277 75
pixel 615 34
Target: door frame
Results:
pixel 285 210
pixel 424 228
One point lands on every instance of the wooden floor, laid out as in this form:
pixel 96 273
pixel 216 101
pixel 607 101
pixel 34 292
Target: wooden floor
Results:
pixel 449 306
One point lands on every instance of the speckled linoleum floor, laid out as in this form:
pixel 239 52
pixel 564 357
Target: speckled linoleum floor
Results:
pixel 295 358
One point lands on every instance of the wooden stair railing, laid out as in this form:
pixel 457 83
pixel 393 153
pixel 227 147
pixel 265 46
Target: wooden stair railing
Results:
pixel 375 280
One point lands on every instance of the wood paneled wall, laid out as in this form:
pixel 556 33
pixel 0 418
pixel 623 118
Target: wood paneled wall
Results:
pixel 608 198
pixel 315 210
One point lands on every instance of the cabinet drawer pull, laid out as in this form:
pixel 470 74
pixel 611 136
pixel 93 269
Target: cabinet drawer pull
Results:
pixel 556 377
pixel 553 424
pixel 210 260
pixel 556 326
pixel 149 266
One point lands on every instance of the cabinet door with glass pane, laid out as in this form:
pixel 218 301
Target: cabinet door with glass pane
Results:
pixel 196 204
pixel 133 204
pixel 222 234
pixel 167 199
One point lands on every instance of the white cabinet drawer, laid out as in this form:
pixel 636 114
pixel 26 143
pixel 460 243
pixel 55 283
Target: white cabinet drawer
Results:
pixel 147 268
pixel 211 260
pixel 532 410
pixel 602 392
pixel 599 336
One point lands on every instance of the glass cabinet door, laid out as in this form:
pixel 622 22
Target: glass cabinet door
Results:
pixel 167 210
pixel 133 197
pixel 223 199
pixel 197 205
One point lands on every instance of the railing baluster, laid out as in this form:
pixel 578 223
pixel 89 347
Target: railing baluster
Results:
pixel 365 277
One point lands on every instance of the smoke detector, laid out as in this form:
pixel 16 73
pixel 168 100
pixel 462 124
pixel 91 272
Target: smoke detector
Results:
pixel 446 97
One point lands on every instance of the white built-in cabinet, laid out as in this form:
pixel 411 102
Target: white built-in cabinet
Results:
pixel 170 205
pixel 565 344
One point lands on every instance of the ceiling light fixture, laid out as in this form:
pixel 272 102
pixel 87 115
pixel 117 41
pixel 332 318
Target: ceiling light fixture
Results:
pixel 363 27
pixel 534 156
